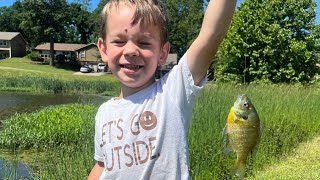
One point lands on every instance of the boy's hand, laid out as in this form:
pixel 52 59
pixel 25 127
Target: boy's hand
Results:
pixel 214 27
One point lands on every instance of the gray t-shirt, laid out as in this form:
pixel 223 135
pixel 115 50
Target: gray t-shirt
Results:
pixel 143 136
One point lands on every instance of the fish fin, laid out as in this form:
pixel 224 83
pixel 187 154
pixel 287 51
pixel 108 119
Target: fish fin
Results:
pixel 239 170
pixel 226 148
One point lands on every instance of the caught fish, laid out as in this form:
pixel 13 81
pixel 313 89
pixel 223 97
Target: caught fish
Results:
pixel 242 133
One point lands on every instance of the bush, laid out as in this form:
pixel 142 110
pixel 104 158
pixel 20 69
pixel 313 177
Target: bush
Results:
pixel 34 56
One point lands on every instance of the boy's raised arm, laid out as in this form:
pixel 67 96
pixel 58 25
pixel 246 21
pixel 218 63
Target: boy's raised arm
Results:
pixel 215 25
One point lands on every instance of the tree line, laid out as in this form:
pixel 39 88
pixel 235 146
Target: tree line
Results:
pixel 269 40
pixel 273 41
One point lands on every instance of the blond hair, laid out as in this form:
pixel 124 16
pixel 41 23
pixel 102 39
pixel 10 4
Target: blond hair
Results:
pixel 146 11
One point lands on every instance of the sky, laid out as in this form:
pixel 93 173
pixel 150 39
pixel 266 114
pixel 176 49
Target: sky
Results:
pixel 94 4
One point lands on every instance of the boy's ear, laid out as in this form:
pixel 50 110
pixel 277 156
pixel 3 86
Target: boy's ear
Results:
pixel 164 53
pixel 103 50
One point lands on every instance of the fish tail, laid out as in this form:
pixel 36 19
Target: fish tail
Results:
pixel 239 170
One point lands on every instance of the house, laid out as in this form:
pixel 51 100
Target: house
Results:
pixel 88 54
pixel 172 60
pixel 12 44
pixel 66 49
pixel 84 53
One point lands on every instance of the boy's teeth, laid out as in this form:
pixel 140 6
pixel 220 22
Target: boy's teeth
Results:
pixel 131 66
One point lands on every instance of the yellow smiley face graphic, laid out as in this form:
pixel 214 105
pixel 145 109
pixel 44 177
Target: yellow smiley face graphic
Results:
pixel 148 120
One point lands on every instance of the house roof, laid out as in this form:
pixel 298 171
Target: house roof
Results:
pixel 10 35
pixel 91 44
pixel 60 46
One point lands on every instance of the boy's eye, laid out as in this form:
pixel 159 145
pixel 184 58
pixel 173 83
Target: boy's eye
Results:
pixel 144 43
pixel 119 42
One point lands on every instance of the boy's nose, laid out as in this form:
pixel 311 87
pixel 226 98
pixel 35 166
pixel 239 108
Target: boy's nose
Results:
pixel 131 49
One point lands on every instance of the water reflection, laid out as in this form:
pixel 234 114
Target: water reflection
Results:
pixel 12 102
pixel 15 170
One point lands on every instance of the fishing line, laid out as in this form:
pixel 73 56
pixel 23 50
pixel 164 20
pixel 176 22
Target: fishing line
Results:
pixel 246 49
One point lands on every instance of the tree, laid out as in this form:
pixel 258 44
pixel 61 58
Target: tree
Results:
pixel 85 4
pixel 270 40
pixel 10 18
pixel 95 20
pixel 45 20
pixel 185 23
pixel 78 29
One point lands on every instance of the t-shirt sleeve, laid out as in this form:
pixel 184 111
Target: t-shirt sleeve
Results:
pixel 180 86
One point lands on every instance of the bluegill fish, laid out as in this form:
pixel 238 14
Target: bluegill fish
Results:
pixel 242 133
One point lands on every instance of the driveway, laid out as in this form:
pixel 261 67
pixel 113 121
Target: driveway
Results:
pixel 91 73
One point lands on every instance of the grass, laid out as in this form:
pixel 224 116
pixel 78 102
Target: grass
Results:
pixel 22 66
pixel 303 163
pixel 290 115
pixel 59 140
pixel 49 127
pixel 22 74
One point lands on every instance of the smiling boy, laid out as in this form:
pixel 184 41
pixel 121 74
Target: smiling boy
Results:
pixel 141 134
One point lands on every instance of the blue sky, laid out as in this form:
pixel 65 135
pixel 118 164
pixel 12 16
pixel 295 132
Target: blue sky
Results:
pixel 94 4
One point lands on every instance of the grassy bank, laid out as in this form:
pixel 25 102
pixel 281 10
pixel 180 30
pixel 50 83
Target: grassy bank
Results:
pixel 290 115
pixel 22 74
pixel 59 137
pixel 303 163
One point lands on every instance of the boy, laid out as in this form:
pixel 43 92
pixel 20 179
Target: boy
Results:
pixel 142 133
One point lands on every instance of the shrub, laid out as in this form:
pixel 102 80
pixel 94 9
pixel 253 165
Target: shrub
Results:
pixel 34 56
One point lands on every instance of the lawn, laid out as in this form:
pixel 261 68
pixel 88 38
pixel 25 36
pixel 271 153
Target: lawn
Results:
pixel 24 66
pixel 22 74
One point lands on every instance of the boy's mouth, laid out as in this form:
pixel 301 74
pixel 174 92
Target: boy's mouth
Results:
pixel 131 66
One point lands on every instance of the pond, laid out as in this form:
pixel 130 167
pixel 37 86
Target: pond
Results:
pixel 13 102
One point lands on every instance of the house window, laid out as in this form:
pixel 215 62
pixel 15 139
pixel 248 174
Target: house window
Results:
pixel 3 43
pixel 82 54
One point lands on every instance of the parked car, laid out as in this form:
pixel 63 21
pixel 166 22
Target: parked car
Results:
pixel 101 67
pixel 85 69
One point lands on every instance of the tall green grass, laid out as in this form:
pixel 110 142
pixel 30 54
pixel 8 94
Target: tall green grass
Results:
pixel 56 85
pixel 62 135
pixel 50 127
pixel 290 115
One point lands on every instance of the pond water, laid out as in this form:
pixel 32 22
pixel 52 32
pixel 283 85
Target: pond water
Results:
pixel 13 102
pixel 14 170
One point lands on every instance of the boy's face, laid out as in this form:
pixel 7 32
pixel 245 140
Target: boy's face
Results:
pixel 132 52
